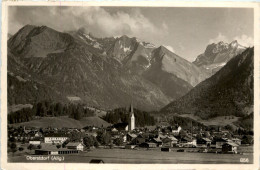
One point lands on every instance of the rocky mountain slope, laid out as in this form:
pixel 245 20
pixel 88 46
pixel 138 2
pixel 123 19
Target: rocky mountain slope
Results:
pixel 228 92
pixel 103 72
pixel 217 55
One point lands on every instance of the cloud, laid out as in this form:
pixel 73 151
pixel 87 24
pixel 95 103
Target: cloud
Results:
pixel 220 37
pixel 99 21
pixel 169 48
pixel 245 40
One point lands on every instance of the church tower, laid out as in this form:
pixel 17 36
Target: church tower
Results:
pixel 131 122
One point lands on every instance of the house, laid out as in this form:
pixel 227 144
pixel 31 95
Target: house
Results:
pixel 114 130
pixel 50 149
pixel 167 142
pixel 130 136
pixel 157 141
pixel 161 136
pixel 217 143
pixel 229 147
pixel 91 134
pixel 236 140
pixel 203 142
pixel 75 145
pixel 187 142
pixel 220 142
pixel 124 138
pixel 38 134
pixel 55 138
pixel 138 140
pixel 26 131
pixel 183 141
pixel 174 140
pixel 148 145
pixel 176 131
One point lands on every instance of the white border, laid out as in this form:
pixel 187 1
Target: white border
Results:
pixel 69 166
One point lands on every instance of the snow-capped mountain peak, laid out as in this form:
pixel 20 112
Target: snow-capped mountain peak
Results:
pixel 218 54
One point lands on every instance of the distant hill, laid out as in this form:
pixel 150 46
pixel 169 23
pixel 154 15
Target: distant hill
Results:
pixel 103 72
pixel 63 121
pixel 228 92
pixel 217 55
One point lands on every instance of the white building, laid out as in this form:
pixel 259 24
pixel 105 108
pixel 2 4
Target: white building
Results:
pixel 35 142
pixel 75 145
pixel 177 131
pixel 54 139
pixel 131 124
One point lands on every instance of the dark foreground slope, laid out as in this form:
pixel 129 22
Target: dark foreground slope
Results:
pixel 228 92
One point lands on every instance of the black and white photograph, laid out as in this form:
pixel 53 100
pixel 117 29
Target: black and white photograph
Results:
pixel 129 84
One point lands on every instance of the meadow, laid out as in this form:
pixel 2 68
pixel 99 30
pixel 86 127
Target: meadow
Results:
pixel 144 156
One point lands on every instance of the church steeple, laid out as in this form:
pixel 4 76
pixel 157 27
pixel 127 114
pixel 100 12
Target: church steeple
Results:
pixel 131 109
pixel 131 122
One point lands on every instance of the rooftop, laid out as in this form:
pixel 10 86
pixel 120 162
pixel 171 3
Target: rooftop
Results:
pixel 74 144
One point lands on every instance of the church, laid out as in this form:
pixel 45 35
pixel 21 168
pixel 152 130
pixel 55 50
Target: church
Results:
pixel 131 121
pixel 126 126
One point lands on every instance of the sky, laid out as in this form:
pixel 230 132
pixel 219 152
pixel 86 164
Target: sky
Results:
pixel 185 31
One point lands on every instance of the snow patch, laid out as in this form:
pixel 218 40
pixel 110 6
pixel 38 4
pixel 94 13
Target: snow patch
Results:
pixel 214 66
pixel 35 87
pixel 21 79
pixel 88 37
pixel 126 49
pixel 149 45
pixel 147 66
pixel 73 98
pixel 222 64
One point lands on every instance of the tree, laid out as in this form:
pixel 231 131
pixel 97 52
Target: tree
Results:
pixel 76 137
pixel 88 141
pixel 65 143
pixel 30 147
pixel 20 149
pixel 13 148
pixel 96 144
pixel 12 139
pixel 39 146
pixel 58 146
pixel 104 138
pixel 182 133
pixel 118 141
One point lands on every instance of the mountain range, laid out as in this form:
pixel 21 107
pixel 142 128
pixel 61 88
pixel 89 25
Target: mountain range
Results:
pixel 113 72
pixel 103 72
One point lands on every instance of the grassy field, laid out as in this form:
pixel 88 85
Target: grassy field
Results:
pixel 64 121
pixel 146 157
pixel 219 121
